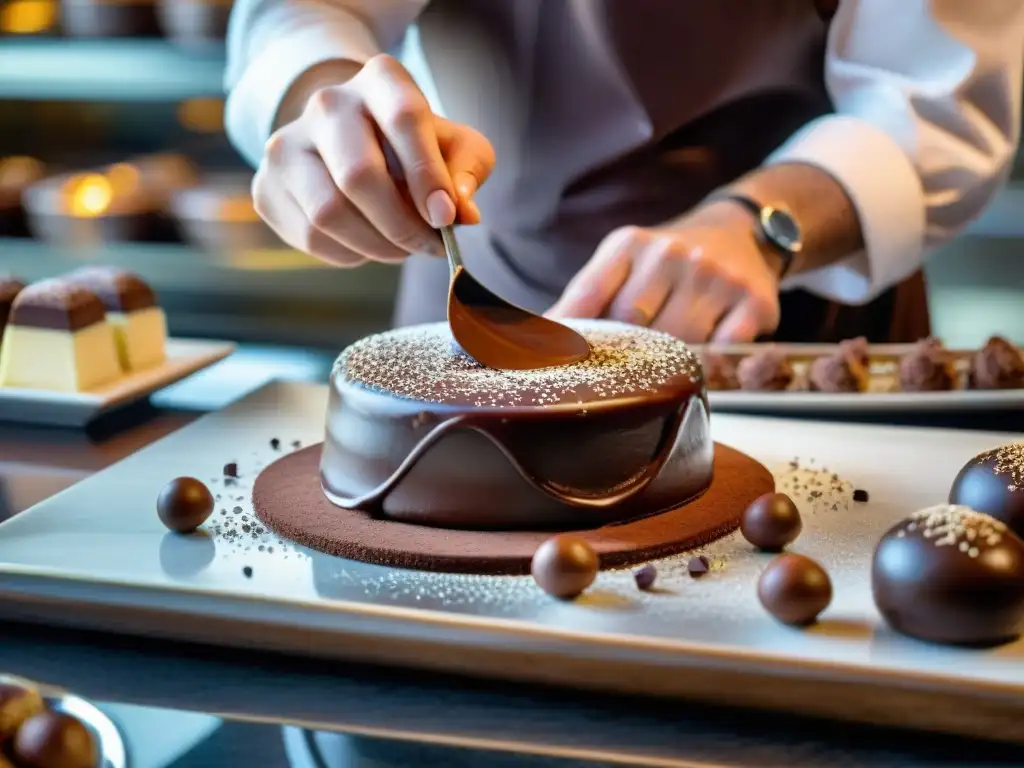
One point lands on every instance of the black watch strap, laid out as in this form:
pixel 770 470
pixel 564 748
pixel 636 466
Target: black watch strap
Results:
pixel 761 214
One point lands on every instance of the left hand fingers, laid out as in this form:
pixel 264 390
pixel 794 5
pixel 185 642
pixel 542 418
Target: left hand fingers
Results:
pixel 751 317
pixel 590 292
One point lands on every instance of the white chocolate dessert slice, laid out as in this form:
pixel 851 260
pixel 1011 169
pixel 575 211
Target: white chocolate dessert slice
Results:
pixel 58 339
pixel 139 324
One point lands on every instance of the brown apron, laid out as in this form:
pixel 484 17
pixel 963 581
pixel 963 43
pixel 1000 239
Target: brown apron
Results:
pixel 605 113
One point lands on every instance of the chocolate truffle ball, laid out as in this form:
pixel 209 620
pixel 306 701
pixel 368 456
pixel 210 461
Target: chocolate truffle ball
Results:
pixel 184 504
pixel 794 589
pixel 951 575
pixel 846 370
pixel 993 483
pixel 927 367
pixel 997 365
pixel 55 740
pixel 564 566
pixel 767 370
pixel 771 522
pixel 719 372
pixel 17 704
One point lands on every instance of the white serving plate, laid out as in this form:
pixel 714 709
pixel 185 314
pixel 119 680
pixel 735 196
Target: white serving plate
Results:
pixel 96 556
pixel 76 409
pixel 828 403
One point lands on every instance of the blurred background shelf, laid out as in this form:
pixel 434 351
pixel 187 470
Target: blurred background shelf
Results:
pixel 134 70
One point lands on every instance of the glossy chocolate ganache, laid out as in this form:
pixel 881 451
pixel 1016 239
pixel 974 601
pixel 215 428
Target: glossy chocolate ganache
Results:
pixel 419 432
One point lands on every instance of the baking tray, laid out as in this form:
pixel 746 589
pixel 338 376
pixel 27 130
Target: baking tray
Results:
pixel 76 409
pixel 883 395
pixel 95 556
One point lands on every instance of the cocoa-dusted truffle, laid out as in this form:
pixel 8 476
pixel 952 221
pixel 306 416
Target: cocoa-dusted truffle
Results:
pixel 993 483
pixel 184 504
pixel 767 370
pixel 55 740
pixel 948 574
pixel 794 589
pixel 997 365
pixel 719 372
pixel 846 370
pixel 771 522
pixel 17 704
pixel 927 367
pixel 564 566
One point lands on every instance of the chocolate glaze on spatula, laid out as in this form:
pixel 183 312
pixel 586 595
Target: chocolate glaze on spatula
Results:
pixel 498 334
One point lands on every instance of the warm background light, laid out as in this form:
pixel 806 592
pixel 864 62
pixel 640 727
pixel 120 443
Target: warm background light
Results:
pixel 90 195
pixel 28 17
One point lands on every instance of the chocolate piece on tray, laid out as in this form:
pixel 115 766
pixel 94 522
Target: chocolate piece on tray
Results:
pixel 139 323
pixel 928 367
pixel 794 589
pixel 58 338
pixel 997 365
pixel 766 370
pixel 993 483
pixel 846 370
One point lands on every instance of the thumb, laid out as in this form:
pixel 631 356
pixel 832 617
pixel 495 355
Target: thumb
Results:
pixel 470 159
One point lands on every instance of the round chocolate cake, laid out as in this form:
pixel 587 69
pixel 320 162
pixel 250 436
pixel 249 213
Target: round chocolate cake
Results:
pixel 418 432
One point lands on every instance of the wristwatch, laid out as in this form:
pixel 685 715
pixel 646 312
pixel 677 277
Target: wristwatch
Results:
pixel 776 228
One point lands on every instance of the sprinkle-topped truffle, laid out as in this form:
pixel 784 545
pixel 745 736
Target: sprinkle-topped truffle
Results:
pixel 421 363
pixel 993 483
pixel 950 574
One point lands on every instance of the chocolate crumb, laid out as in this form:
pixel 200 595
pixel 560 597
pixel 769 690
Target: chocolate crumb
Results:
pixel 247 572
pixel 275 443
pixel 296 443
pixel 231 469
pixel 236 510
pixel 645 576
pixel 859 494
pixel 698 566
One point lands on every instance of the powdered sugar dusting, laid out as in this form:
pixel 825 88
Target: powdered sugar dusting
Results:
pixel 422 363
pixel 954 525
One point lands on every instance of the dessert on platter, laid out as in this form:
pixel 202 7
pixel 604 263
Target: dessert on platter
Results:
pixel 855 374
pixel 58 338
pixel 139 323
pixel 10 287
pixel 416 431
pixel 16 173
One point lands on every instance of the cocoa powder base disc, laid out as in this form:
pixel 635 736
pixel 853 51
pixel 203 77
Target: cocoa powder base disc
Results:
pixel 288 499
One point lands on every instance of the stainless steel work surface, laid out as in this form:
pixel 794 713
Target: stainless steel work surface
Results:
pixel 96 556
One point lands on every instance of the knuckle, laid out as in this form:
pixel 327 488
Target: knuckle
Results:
pixel 276 148
pixel 406 114
pixel 326 101
pixel 356 177
pixel 327 213
pixel 382 65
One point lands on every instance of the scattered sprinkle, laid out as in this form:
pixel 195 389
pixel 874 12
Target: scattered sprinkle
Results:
pixel 419 363
pixel 1009 460
pixel 231 469
pixel 275 443
pixel 247 571
pixel 860 495
pixel 645 576
pixel 698 566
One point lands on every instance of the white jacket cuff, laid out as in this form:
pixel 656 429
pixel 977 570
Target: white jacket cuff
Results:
pixel 252 107
pixel 885 189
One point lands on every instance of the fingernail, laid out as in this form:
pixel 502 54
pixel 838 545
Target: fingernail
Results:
pixel 440 209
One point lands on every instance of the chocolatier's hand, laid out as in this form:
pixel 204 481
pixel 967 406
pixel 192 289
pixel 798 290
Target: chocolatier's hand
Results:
pixel 329 185
pixel 702 278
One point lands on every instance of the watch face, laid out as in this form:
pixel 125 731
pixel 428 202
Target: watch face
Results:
pixel 781 229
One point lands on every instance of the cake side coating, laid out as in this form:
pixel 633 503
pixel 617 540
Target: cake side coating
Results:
pixel 421 363
pixel 417 431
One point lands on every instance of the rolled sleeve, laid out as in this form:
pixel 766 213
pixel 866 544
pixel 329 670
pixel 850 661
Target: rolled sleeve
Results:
pixel 927 121
pixel 885 189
